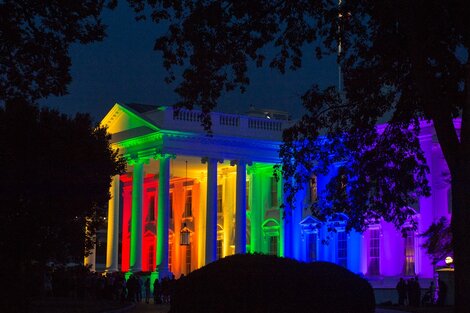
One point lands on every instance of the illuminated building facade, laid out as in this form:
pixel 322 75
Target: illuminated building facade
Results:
pixel 221 191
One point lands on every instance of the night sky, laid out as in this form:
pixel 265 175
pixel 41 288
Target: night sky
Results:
pixel 124 68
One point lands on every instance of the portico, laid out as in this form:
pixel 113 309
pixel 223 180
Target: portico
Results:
pixel 182 179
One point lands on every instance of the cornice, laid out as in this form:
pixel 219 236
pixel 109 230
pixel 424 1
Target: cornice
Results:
pixel 144 156
pixel 138 141
pixel 219 140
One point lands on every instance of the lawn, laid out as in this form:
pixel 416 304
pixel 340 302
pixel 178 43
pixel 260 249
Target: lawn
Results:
pixel 70 305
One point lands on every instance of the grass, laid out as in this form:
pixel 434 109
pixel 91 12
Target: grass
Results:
pixel 70 305
pixel 427 309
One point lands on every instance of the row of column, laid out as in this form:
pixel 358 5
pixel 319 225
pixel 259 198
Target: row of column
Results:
pixel 135 262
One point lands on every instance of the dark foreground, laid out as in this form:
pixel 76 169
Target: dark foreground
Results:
pixel 62 305
pixel 433 309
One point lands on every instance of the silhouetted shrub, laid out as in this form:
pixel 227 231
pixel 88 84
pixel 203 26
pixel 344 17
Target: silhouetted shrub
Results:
pixel 267 284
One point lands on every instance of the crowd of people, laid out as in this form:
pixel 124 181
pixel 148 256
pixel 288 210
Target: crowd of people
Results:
pixel 79 282
pixel 137 289
pixel 409 293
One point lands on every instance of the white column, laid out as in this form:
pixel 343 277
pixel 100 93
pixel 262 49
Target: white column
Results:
pixel 135 263
pixel 240 213
pixel 113 227
pixel 211 216
pixel 163 217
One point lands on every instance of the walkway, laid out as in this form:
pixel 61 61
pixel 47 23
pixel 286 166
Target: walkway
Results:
pixel 143 307
pixel 161 308
pixel 381 310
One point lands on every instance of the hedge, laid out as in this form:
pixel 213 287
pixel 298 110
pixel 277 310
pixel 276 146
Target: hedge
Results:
pixel 248 283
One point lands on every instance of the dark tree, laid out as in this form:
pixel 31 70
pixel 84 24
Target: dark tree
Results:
pixel 35 37
pixel 55 183
pixel 407 60
pixel 55 169
pixel 438 240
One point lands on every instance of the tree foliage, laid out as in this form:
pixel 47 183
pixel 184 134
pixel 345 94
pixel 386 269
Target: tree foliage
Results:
pixel 407 60
pixel 55 180
pixel 35 37
pixel 399 59
pixel 438 242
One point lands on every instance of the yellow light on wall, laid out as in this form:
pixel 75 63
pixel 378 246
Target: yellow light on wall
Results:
pixel 449 260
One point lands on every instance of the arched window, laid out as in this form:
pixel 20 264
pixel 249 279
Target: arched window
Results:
pixel 271 231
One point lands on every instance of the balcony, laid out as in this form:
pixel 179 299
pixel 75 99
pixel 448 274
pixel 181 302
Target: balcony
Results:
pixel 233 125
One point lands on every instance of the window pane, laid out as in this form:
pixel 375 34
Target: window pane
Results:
pixel 342 251
pixel 188 259
pixel 151 212
pixel 220 245
pixel 188 207
pixel 274 201
pixel 374 252
pixel 410 253
pixel 151 258
pixel 312 247
pixel 273 245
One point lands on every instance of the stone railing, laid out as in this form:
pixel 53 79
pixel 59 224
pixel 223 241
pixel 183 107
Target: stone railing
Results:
pixel 265 124
pixel 222 123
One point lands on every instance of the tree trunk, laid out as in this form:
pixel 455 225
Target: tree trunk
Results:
pixel 461 237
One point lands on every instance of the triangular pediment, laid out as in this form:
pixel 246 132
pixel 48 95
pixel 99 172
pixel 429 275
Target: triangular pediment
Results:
pixel 309 220
pixel 124 122
pixel 310 225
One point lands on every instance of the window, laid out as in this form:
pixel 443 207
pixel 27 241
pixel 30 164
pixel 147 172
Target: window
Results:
pixel 274 202
pixel 273 245
pixel 342 257
pixel 312 247
pixel 374 252
pixel 188 204
pixel 170 252
pixel 151 258
pixel 220 245
pixel 151 212
pixel 188 259
pixel 410 253
pixel 247 196
pixel 219 199
pixel 313 189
